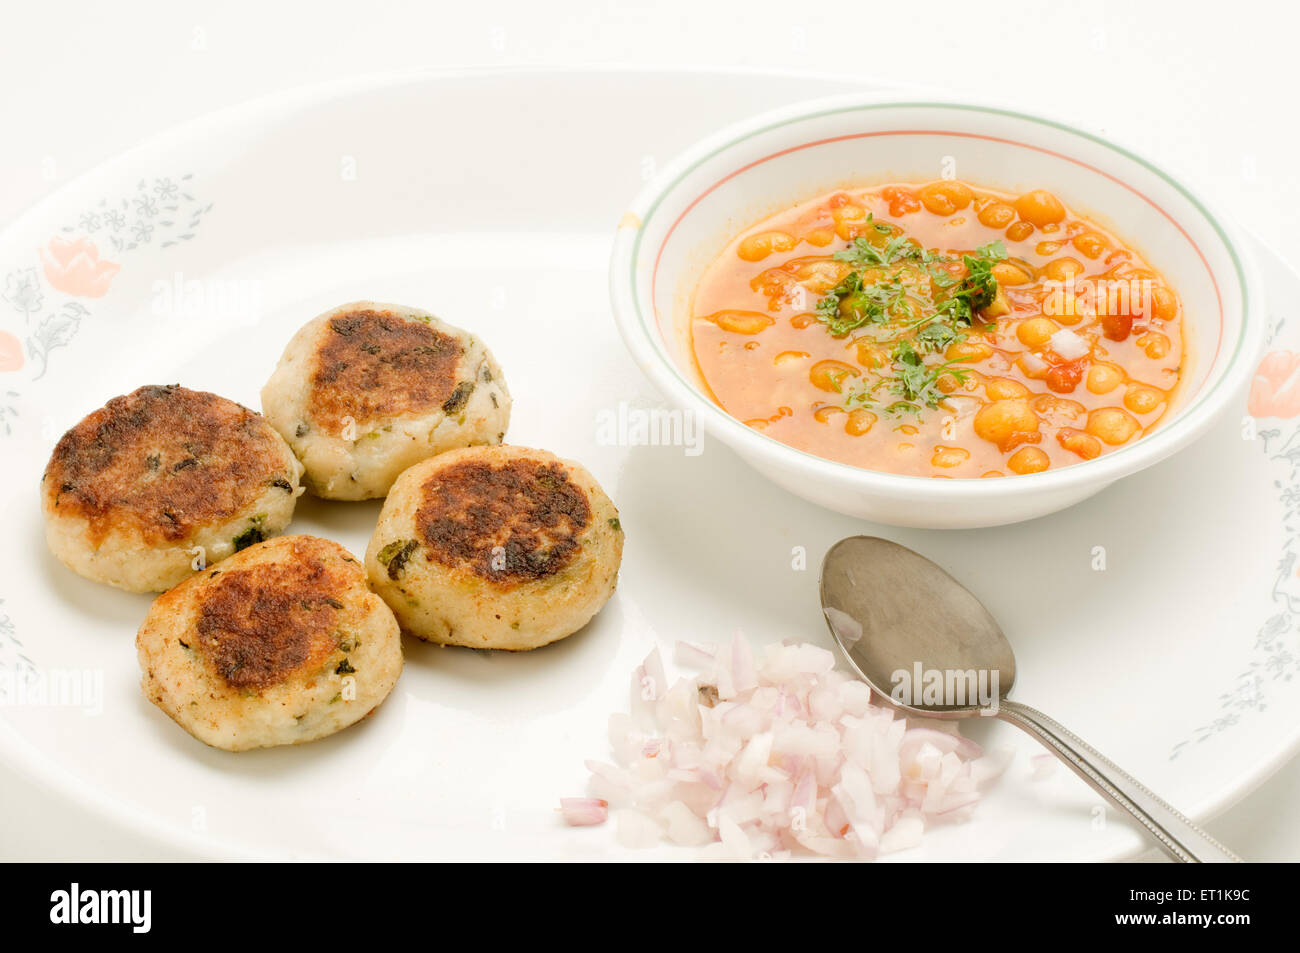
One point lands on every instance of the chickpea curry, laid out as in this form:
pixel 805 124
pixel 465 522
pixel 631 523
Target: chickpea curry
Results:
pixel 938 330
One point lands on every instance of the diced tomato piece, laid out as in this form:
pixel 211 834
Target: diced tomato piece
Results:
pixel 1116 326
pixel 901 201
pixel 1064 378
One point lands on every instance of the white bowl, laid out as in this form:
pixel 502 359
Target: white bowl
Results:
pixel 731 180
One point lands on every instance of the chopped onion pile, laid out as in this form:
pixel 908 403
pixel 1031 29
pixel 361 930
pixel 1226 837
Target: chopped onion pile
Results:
pixel 776 756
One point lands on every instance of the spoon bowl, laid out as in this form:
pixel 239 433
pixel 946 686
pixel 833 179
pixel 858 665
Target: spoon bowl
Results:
pixel 927 645
pixel 894 613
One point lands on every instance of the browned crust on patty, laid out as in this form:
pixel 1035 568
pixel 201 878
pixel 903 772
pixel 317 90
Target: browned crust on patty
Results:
pixel 167 460
pixel 376 364
pixel 257 626
pixel 511 522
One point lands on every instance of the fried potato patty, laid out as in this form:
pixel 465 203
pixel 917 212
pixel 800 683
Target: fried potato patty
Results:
pixel 161 481
pixel 366 390
pixel 495 547
pixel 280 644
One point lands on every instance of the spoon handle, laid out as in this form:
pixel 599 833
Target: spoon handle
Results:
pixel 1180 838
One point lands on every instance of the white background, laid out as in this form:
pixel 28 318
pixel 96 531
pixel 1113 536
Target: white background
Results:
pixel 1209 90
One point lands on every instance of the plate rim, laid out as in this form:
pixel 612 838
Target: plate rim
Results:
pixel 28 764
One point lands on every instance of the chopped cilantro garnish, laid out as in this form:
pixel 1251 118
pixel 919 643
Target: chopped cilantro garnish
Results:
pixel 871 295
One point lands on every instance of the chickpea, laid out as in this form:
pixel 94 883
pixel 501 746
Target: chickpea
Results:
pixel 1063 306
pixel 1007 423
pixel 1062 269
pixel 997 307
pixel 829 375
pixel 1142 399
pixel 1057 409
pixel 821 237
pixel 821 275
pixel 950 384
pixel 1035 332
pixel 1104 378
pixel 872 356
pixel 1155 344
pixel 849 212
pixel 758 247
pixel 1040 208
pixel 997 215
pixel 741 322
pixel 1090 244
pixel 860 421
pixel 1010 274
pixel 1112 425
pixel 1164 304
pixel 1028 460
pixel 1076 441
pixel 755 247
pixel 850 221
pixel 1004 388
pixel 968 352
pixel 949 456
pixel 1019 231
pixel 944 198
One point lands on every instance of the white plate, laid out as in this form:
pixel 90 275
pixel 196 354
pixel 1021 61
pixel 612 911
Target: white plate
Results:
pixel 491 199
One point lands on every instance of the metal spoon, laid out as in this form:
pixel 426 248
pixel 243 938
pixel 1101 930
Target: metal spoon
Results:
pixel 893 611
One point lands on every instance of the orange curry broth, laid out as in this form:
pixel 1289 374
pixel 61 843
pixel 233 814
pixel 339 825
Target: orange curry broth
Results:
pixel 1021 408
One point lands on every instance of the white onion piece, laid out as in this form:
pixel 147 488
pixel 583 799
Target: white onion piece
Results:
pixel 1069 345
pixel 776 754
pixel 695 655
pixel 636 829
pixel 584 811
pixel 1032 363
pixel 685 827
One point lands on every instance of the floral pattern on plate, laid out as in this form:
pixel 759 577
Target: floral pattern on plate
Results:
pixel 80 261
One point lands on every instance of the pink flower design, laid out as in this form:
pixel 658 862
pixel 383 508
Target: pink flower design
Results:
pixel 74 268
pixel 1275 392
pixel 11 353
